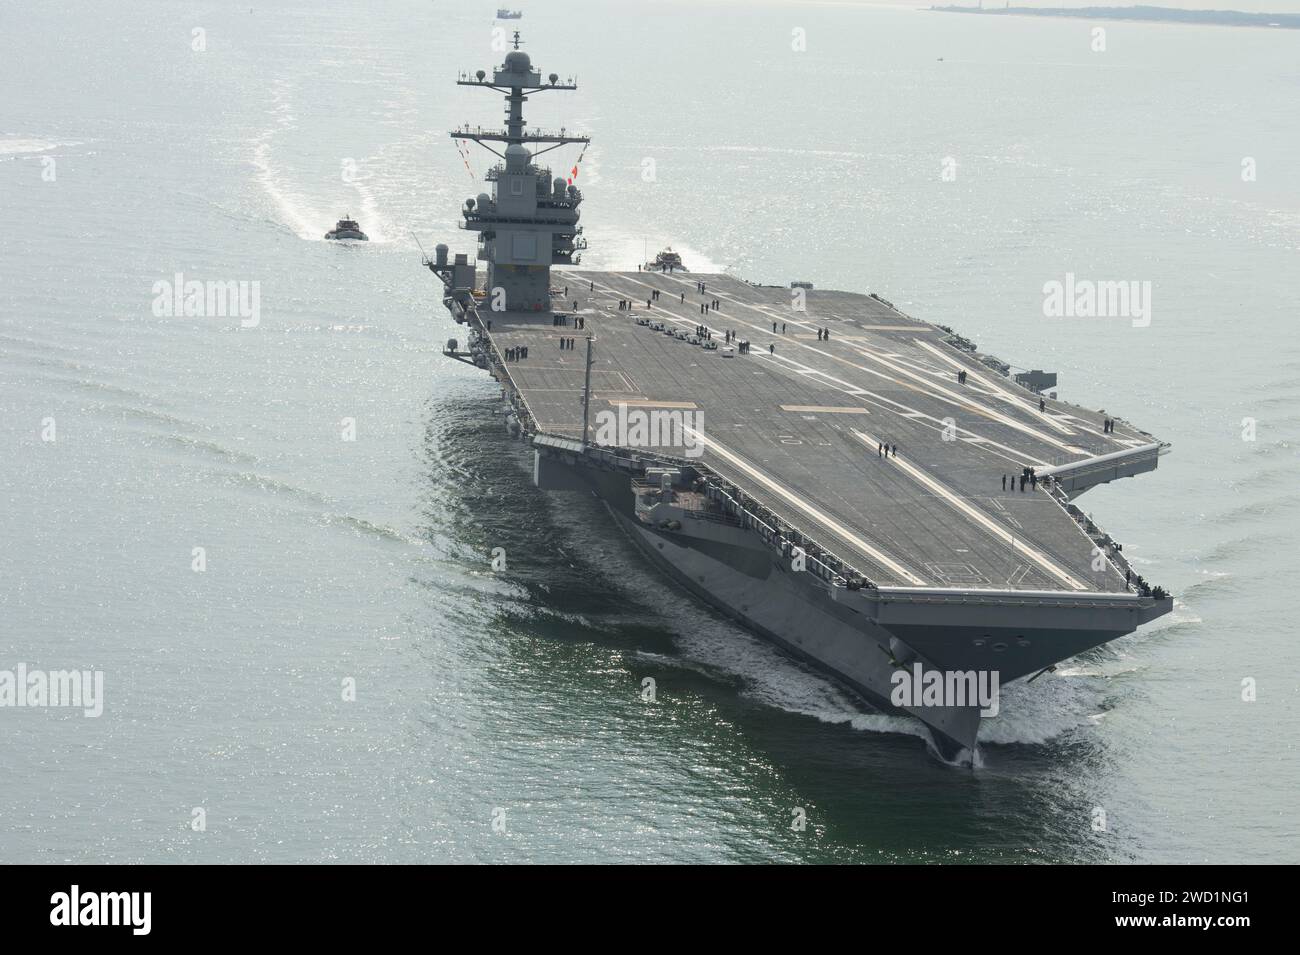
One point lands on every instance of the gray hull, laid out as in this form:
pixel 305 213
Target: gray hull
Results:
pixel 734 571
pixel 860 639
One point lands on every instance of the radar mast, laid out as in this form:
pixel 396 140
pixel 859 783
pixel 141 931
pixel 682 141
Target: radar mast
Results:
pixel 529 221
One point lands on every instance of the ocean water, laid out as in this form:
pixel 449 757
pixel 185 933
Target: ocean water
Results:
pixel 128 156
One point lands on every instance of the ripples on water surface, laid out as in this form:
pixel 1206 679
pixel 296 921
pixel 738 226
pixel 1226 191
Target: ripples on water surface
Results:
pixel 369 559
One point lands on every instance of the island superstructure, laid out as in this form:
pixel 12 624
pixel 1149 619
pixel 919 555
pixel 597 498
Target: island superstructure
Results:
pixel 838 476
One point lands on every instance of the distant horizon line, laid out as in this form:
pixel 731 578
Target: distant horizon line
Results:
pixel 1145 12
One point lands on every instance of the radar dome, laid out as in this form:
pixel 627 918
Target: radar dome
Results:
pixel 517 61
pixel 517 157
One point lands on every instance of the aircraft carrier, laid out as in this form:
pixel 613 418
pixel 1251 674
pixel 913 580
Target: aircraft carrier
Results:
pixel 861 487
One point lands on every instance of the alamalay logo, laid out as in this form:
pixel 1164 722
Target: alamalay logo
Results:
pixel 21 687
pixel 946 688
pixel 1084 298
pixel 195 299
pixel 103 908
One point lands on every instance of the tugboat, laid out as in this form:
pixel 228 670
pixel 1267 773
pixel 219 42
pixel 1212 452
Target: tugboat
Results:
pixel 347 229
pixel 666 261
pixel 503 13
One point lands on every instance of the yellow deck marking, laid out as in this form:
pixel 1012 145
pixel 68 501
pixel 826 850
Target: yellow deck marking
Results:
pixel 823 409
pixel 647 403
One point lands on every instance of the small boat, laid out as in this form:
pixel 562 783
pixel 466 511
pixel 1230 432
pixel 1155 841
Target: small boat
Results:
pixel 347 229
pixel 666 261
pixel 505 14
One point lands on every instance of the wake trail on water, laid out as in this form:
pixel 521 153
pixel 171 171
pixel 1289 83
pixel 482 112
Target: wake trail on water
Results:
pixel 624 251
pixel 712 645
pixel 290 208
pixel 310 216
pixel 20 147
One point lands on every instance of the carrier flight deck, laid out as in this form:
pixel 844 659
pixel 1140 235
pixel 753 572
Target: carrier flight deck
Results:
pixel 800 428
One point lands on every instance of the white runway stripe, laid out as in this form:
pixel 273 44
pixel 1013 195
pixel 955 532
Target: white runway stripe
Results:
pixel 790 497
pixel 979 517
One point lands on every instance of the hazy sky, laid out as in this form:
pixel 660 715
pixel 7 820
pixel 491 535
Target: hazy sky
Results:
pixel 1260 6
pixel 1263 6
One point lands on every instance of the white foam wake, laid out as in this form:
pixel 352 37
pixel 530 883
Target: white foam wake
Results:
pixel 290 208
pixel 18 147
pixel 623 252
